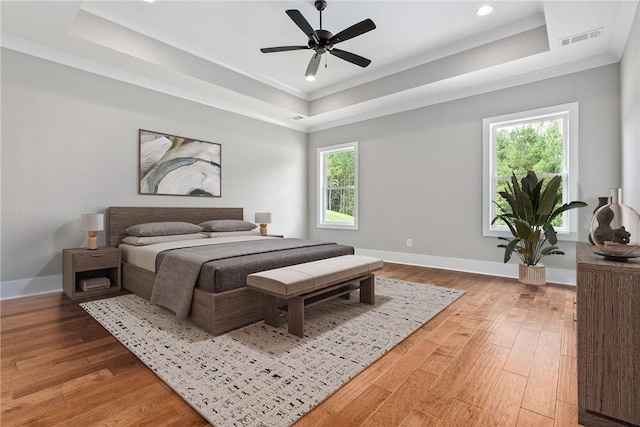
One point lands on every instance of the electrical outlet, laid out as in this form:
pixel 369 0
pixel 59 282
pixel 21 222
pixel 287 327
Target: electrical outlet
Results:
pixel 409 243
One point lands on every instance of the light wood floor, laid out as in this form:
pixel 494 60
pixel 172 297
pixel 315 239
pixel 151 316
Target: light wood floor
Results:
pixel 504 354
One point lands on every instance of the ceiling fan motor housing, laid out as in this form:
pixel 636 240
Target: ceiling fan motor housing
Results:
pixel 323 44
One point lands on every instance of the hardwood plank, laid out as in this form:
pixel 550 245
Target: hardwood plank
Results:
pixel 319 415
pixel 89 403
pixel 457 339
pixel 66 354
pixel 531 419
pixel 404 367
pixel 417 418
pixel 569 342
pixel 536 317
pixel 540 395
pixel 554 314
pixel 442 333
pixel 477 389
pixel 507 334
pixel 356 412
pixel 568 380
pixel 127 407
pixel 341 398
pixel 463 312
pixel 504 406
pixel 566 414
pixel 19 417
pixel 521 355
pixel 93 379
pixel 71 370
pixel 400 403
pixel 155 410
pixel 460 414
pixel 438 396
pixel 436 363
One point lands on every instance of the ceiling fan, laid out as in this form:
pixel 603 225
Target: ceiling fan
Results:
pixel 322 41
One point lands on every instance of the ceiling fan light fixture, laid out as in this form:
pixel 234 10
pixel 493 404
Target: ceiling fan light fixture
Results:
pixel 484 10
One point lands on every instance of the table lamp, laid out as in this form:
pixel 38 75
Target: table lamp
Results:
pixel 92 223
pixel 263 218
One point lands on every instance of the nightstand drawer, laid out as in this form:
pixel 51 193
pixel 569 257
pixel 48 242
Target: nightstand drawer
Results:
pixel 96 260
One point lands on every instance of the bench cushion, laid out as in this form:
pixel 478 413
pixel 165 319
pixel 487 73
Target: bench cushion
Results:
pixel 287 282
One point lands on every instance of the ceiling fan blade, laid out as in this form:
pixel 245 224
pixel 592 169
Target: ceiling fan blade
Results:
pixel 353 31
pixel 351 57
pixel 312 68
pixel 303 24
pixel 282 48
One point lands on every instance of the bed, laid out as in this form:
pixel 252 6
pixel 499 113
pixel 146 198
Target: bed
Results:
pixel 217 307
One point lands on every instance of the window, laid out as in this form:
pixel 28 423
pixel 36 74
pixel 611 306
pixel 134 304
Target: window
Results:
pixel 338 186
pixel 544 141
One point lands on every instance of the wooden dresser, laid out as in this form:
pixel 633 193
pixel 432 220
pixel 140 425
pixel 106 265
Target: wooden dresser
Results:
pixel 608 305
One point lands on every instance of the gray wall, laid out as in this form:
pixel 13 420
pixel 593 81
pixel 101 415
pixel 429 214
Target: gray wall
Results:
pixel 70 146
pixel 630 116
pixel 421 171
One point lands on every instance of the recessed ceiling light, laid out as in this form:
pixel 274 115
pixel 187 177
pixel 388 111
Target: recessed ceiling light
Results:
pixel 310 78
pixel 484 10
pixel 149 1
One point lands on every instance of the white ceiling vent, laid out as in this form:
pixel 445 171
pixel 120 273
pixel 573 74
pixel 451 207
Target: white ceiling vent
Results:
pixel 591 34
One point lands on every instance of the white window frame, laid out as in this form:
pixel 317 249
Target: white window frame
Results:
pixel 569 114
pixel 322 194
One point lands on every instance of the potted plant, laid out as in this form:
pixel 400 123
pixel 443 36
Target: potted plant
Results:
pixel 529 213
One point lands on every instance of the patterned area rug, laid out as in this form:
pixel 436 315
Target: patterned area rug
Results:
pixel 263 376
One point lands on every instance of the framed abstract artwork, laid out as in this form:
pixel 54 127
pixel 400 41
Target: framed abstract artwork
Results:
pixel 178 166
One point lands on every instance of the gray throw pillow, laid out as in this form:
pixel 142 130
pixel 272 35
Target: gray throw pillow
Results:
pixel 163 229
pixel 227 225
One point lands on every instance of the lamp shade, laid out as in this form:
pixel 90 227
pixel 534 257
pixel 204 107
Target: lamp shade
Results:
pixel 263 217
pixel 93 222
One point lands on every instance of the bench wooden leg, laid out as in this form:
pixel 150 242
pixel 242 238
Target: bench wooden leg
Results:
pixel 296 316
pixel 367 290
pixel 271 317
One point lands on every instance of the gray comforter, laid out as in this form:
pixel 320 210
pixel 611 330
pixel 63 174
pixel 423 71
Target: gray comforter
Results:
pixel 225 266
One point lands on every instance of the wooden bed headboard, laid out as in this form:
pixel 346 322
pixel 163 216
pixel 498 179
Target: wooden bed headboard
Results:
pixel 120 218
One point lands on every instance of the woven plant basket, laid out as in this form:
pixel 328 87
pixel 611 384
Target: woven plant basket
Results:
pixel 532 274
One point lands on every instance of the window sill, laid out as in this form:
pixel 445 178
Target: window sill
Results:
pixel 338 226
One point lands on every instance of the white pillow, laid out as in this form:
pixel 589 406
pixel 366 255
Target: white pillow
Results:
pixel 150 240
pixel 231 233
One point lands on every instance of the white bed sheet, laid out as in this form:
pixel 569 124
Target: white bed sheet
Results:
pixel 145 256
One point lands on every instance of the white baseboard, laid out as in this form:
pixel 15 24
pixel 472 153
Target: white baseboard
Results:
pixel 33 286
pixel 554 275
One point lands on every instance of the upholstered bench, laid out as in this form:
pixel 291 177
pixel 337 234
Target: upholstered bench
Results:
pixel 314 282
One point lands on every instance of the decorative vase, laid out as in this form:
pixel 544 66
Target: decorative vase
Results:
pixel 615 229
pixel 532 274
pixel 602 200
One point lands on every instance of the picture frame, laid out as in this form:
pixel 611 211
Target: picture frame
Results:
pixel 172 165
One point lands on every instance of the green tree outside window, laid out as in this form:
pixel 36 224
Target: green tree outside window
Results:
pixel 533 146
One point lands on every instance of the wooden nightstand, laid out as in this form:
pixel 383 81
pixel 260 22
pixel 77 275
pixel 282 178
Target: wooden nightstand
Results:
pixel 80 264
